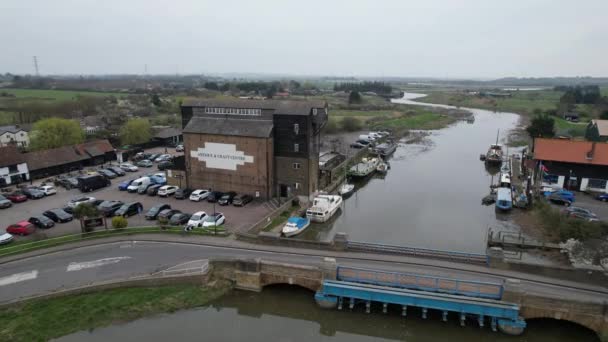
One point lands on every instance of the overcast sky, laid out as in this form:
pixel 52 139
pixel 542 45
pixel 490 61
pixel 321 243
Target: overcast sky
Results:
pixel 435 38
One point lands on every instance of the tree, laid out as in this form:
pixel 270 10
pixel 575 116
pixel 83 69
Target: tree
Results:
pixel 135 131
pixel 351 124
pixel 85 210
pixel 55 132
pixel 354 97
pixel 541 126
pixel 119 222
pixel 156 100
pixel 604 115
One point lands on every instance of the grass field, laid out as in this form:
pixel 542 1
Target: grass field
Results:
pixel 42 320
pixel 574 129
pixel 53 95
pixel 424 120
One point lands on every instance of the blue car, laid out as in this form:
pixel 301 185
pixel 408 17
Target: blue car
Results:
pixel 560 197
pixel 123 185
pixel 602 197
pixel 158 180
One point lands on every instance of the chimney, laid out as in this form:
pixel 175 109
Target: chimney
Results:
pixel 592 152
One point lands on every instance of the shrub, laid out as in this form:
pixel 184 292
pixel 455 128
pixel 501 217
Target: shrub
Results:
pixel 331 127
pixel 119 222
pixel 351 124
pixel 163 222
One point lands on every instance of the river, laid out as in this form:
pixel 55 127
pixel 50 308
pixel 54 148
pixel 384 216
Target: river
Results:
pixel 289 313
pixel 432 195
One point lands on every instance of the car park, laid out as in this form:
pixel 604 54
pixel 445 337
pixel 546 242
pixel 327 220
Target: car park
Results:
pixel 32 193
pixel 145 163
pixel 16 197
pixel 165 165
pixel 108 208
pixel 58 215
pixel 214 196
pixel 153 190
pixel 41 221
pixel 48 190
pixel 580 213
pixel 107 173
pixel 241 200
pixel 167 213
pixel 198 195
pixel 214 220
pixel 125 184
pixel 602 197
pixel 76 201
pixel 129 209
pixel 21 228
pixel 182 193
pixel 197 219
pixel 179 219
pixel 118 171
pixel 5 202
pixel 128 167
pixel 226 198
pixel 6 238
pixel 167 190
pixel 153 212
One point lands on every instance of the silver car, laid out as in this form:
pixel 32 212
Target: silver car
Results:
pixel 5 203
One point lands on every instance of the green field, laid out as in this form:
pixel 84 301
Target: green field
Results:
pixel 42 320
pixel 425 120
pixel 53 95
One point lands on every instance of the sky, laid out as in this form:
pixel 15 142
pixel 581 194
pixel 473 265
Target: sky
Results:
pixel 379 38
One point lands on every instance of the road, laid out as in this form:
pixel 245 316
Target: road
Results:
pixel 51 272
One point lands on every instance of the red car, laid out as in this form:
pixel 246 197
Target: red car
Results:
pixel 21 228
pixel 17 197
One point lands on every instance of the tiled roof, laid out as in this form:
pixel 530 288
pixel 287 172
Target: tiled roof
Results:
pixel 570 151
pixel 278 106
pixel 239 127
pixel 67 154
pixel 10 155
pixel 602 127
pixel 14 128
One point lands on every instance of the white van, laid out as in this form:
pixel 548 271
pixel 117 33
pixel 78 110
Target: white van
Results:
pixel 137 183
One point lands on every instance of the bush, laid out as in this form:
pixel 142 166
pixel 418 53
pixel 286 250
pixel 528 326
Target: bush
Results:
pixel 119 222
pixel 331 127
pixel 163 222
pixel 351 124
pixel 569 228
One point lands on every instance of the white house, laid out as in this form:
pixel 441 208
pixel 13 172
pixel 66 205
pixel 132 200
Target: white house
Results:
pixel 13 167
pixel 14 134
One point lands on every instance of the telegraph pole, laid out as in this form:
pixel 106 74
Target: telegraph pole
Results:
pixel 36 66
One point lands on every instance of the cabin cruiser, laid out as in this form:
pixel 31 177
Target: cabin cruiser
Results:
pixel 323 207
pixel 386 149
pixel 364 168
pixel 504 199
pixel 494 154
pixel 346 189
pixel 382 168
pixel 295 225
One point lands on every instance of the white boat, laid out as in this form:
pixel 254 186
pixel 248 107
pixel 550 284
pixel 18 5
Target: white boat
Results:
pixel 382 168
pixel 295 225
pixel 504 199
pixel 364 168
pixel 346 189
pixel 323 207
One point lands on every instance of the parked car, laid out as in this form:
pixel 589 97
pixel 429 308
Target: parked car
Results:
pixel 16 197
pixel 5 202
pixel 196 220
pixel 58 215
pixel 129 209
pixel 167 213
pixel 32 193
pixel 156 179
pixel 67 182
pixel 134 186
pixel 5 238
pixel 580 213
pixel 48 190
pixel 108 208
pixel 167 190
pixel 21 228
pixel 357 145
pixel 153 212
pixel 602 197
pixel 117 170
pixel 179 148
pixel 153 190
pixel 153 156
pixel 125 184
pixel 214 220
pixel 144 188
pixel 92 182
pixel 183 193
pixel 241 200
pixel 163 157
pixel 76 201
pixel 226 198
pixel 179 219
pixel 165 165
pixel 41 221
pixel 198 195
pixel 107 173
pixel 560 197
pixel 214 196
pixel 145 163
pixel 128 167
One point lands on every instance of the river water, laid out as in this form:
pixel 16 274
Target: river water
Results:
pixel 432 195
pixel 289 313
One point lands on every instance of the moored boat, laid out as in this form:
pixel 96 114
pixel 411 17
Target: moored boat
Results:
pixel 382 168
pixel 346 189
pixel 295 225
pixel 494 154
pixel 504 199
pixel 364 168
pixel 386 149
pixel 323 207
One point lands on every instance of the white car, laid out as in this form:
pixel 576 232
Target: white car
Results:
pixel 214 220
pixel 196 220
pixel 73 203
pixel 167 190
pixel 48 190
pixel 128 167
pixel 5 238
pixel 199 194
pixel 160 174
pixel 162 157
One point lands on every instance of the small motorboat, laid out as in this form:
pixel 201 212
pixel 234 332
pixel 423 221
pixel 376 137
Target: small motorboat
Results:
pixel 295 225
pixel 346 189
pixel 382 168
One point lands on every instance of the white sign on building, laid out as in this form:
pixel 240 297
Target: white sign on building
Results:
pixel 221 156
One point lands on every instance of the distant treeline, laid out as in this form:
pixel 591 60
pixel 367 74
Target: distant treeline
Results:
pixel 588 94
pixel 376 87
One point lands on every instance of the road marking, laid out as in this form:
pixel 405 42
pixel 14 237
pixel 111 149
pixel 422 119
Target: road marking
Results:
pixel 18 277
pixel 77 266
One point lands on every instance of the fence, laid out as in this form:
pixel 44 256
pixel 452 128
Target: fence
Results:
pixel 266 220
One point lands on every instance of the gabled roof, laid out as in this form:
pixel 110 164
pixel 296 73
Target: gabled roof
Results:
pixel 14 129
pixel 169 132
pixel 277 106
pixel 238 127
pixel 602 127
pixel 10 155
pixel 67 154
pixel 571 151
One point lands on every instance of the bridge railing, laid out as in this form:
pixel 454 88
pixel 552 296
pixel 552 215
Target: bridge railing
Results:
pixel 419 252
pixel 421 282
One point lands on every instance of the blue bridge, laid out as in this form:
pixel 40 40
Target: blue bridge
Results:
pixel 462 298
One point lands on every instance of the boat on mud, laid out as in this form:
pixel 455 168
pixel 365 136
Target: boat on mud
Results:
pixel 386 149
pixel 382 168
pixel 504 199
pixel 363 168
pixel 323 207
pixel 346 189
pixel 295 225
pixel 494 154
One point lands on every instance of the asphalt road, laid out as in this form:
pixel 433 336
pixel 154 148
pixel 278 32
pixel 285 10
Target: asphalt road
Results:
pixel 81 266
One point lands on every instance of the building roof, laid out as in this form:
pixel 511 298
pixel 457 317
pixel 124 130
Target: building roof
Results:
pixel 168 132
pixel 223 126
pixel 602 127
pixel 94 148
pixel 67 154
pixel 14 128
pixel 571 151
pixel 278 106
pixel 10 156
